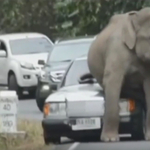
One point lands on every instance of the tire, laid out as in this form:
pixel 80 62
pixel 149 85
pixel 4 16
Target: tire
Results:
pixel 39 101
pixel 12 85
pixel 54 140
pixel 138 128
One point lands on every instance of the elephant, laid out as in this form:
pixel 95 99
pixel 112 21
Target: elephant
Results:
pixel 120 56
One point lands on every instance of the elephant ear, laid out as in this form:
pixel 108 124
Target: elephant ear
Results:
pixel 129 30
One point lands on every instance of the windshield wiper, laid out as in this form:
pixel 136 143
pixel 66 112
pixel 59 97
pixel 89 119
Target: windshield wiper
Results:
pixel 32 52
pixel 35 52
pixel 57 61
pixel 67 60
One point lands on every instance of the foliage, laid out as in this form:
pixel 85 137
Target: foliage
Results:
pixel 24 15
pixel 88 16
pixel 32 140
pixel 62 17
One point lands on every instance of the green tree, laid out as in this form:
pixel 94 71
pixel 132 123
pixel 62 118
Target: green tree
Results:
pixel 89 17
pixel 62 18
pixel 27 16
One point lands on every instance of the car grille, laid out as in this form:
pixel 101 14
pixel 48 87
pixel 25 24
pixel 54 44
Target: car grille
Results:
pixel 85 108
pixel 56 76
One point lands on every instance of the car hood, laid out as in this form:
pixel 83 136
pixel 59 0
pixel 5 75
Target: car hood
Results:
pixel 59 66
pixel 80 100
pixel 86 100
pixel 77 92
pixel 31 58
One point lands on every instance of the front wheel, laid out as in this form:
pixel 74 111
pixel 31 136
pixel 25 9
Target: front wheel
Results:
pixel 12 85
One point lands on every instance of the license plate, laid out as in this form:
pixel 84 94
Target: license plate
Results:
pixel 87 124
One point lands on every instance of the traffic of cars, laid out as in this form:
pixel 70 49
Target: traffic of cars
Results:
pixel 63 53
pixel 58 77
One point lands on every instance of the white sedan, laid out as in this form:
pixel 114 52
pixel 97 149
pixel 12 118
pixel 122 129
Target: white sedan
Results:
pixel 76 109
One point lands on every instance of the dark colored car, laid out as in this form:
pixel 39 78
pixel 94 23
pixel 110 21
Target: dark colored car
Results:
pixel 63 53
pixel 76 109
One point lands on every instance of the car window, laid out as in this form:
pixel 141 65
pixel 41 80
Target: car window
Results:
pixel 30 46
pixel 77 69
pixel 69 51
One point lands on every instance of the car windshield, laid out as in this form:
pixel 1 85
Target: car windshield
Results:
pixel 30 46
pixel 77 69
pixel 69 51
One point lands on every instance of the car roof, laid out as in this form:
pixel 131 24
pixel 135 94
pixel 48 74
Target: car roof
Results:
pixel 76 40
pixel 14 36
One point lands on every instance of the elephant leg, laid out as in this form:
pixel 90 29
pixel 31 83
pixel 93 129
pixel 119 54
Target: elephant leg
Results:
pixel 112 86
pixel 147 96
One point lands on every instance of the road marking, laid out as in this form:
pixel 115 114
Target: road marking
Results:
pixel 124 135
pixel 73 146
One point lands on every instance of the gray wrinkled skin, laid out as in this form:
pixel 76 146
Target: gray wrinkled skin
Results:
pixel 121 54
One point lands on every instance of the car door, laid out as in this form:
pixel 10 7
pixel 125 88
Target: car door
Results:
pixel 3 64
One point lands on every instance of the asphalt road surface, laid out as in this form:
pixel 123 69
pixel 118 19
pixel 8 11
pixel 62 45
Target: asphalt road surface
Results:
pixel 29 110
pixel 107 146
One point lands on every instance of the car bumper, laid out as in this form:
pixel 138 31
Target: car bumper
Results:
pixel 63 127
pixel 53 85
pixel 27 78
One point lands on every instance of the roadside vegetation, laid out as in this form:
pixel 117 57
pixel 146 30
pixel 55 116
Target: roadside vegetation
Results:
pixel 33 139
pixel 62 18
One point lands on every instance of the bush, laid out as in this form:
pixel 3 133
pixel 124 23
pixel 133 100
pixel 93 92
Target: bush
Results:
pixel 32 141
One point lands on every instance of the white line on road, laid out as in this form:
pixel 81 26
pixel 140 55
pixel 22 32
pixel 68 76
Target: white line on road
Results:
pixel 124 135
pixel 73 146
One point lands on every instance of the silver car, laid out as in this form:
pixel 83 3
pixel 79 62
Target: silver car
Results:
pixel 76 109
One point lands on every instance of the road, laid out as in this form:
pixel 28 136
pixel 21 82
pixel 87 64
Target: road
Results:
pixel 108 146
pixel 29 110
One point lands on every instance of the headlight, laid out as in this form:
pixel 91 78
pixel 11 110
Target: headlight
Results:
pixel 127 105
pixel 45 87
pixel 56 76
pixel 26 65
pixel 55 109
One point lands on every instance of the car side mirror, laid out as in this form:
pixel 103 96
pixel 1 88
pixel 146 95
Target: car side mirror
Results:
pixel 2 53
pixel 41 62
